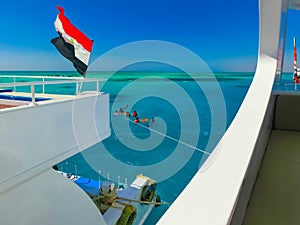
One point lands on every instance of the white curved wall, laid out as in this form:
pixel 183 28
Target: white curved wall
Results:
pixel 211 196
pixel 47 199
pixel 33 138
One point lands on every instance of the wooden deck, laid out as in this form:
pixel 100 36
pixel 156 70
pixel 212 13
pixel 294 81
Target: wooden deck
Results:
pixel 3 106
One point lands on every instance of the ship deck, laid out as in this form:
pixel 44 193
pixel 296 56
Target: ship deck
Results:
pixel 275 198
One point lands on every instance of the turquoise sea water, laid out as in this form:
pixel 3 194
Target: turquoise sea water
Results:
pixel 188 109
pixel 286 83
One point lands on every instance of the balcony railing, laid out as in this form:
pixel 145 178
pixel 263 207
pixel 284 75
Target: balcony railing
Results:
pixel 48 80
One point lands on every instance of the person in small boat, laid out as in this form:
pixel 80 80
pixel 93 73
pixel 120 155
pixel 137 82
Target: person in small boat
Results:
pixel 116 113
pixel 127 114
pixel 121 111
pixel 134 114
pixel 151 122
pixel 137 120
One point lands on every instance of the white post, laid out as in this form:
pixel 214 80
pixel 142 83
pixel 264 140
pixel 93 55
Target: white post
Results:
pixel 97 82
pixel 76 87
pixel 43 85
pixel 14 78
pixel 76 172
pixel 32 94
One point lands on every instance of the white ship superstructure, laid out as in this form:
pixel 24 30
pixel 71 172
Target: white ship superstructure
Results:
pixel 37 132
pixel 219 194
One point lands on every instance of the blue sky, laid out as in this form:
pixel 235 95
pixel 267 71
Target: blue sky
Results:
pixel 222 33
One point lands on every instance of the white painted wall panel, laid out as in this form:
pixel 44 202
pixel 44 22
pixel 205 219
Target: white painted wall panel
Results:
pixel 33 139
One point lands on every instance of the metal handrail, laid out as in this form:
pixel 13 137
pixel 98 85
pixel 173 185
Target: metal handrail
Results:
pixel 32 84
pixel 18 84
pixel 43 77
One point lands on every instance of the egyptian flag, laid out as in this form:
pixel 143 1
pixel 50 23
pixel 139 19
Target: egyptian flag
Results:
pixel 72 43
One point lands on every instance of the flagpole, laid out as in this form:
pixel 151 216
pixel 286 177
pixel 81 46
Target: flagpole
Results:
pixel 296 79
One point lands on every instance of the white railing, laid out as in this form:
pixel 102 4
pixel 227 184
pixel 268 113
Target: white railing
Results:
pixel 291 87
pixel 70 168
pixel 57 80
pixel 14 78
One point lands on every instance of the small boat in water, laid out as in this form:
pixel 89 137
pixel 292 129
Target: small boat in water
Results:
pixel 119 203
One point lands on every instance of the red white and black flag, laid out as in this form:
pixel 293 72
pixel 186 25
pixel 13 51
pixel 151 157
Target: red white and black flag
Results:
pixel 296 78
pixel 72 43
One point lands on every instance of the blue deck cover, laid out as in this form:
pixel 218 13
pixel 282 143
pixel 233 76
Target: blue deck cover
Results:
pixel 88 185
pixel 22 98
pixel 5 90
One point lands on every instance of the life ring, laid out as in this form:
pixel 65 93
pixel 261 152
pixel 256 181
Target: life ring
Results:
pixel 148 192
pixel 128 215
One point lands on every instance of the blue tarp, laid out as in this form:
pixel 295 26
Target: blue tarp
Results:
pixel 5 90
pixel 22 98
pixel 88 185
